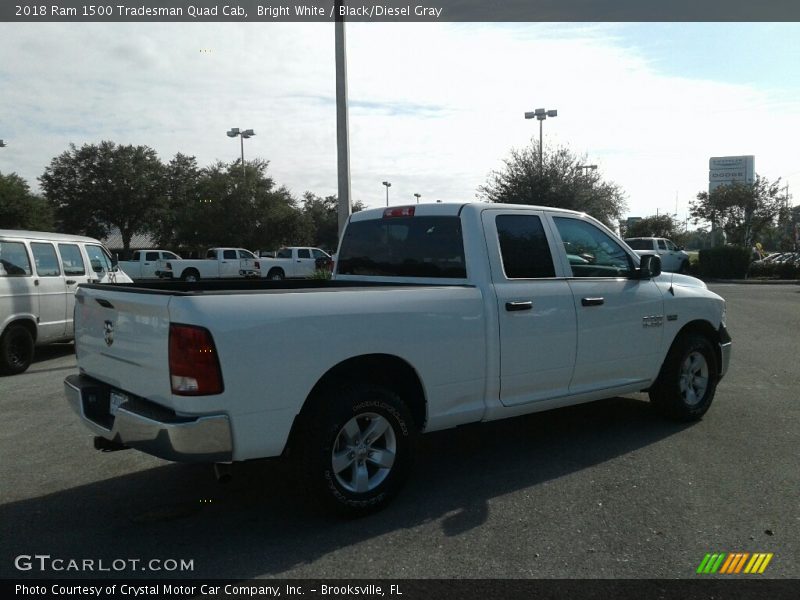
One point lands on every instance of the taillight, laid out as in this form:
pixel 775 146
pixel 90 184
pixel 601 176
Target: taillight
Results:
pixel 399 211
pixel 193 362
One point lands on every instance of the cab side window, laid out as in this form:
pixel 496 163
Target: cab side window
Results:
pixel 523 247
pixel 661 245
pixel 14 261
pixel 44 256
pixel 228 254
pixel 591 251
pixel 304 253
pixel 71 259
pixel 151 256
pixel 245 254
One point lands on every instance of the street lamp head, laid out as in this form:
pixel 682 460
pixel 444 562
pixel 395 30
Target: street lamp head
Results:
pixel 539 111
pixel 248 133
pixel 552 113
pixel 387 184
pixel 530 115
pixel 3 144
pixel 233 132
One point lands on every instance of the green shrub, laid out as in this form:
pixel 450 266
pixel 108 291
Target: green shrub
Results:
pixel 320 274
pixel 724 262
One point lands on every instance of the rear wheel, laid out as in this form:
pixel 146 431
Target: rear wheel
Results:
pixel 688 380
pixel 16 350
pixel 355 449
pixel 191 275
pixel 275 274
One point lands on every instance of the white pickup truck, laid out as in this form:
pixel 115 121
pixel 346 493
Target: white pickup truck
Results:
pixel 438 315
pixel 292 262
pixel 219 263
pixel 673 258
pixel 144 263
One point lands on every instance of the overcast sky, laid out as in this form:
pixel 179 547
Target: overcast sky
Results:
pixel 434 107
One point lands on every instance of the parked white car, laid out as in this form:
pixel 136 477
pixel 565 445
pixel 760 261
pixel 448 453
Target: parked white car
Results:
pixel 673 258
pixel 144 263
pixel 39 273
pixel 437 315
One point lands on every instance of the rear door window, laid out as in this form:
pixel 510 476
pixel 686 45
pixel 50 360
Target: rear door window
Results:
pixel 404 247
pixel 44 255
pixel 523 247
pixel 14 260
pixel 303 253
pixel 229 254
pixel 71 259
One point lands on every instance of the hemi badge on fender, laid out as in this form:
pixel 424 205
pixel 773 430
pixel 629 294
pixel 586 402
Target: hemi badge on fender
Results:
pixel 653 321
pixel 672 317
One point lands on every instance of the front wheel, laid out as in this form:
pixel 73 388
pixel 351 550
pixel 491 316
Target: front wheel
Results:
pixel 191 276
pixel 686 385
pixel 355 449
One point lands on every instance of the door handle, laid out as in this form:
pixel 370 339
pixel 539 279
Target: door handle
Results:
pixel 70 282
pixel 515 306
pixel 592 301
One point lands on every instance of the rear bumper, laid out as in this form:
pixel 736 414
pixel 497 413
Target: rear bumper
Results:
pixel 148 427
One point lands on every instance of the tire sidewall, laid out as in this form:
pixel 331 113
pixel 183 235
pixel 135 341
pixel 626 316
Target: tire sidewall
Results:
pixel 672 399
pixel 347 404
pixel 15 334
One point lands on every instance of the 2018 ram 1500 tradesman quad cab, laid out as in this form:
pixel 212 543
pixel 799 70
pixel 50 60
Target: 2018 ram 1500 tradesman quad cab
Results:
pixel 438 315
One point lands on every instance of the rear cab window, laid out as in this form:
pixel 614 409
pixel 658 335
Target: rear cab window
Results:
pixel 406 246
pixel 639 244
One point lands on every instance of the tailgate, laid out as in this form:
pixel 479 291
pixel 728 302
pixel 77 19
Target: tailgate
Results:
pixel 122 338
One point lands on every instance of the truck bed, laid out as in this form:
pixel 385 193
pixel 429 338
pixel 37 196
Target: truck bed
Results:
pixel 253 286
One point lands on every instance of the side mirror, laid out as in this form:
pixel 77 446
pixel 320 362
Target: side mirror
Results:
pixel 649 266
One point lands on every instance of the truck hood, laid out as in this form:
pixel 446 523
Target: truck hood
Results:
pixel 678 279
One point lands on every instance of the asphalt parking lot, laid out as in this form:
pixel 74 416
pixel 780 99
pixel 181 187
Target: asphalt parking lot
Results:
pixel 600 490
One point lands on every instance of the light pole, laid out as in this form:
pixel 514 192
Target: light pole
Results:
pixel 540 114
pixel 417 196
pixel 388 185
pixel 247 133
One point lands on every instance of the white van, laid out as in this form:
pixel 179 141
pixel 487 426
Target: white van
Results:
pixel 39 273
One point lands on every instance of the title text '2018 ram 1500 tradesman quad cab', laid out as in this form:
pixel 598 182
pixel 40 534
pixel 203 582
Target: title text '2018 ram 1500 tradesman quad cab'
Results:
pixel 438 315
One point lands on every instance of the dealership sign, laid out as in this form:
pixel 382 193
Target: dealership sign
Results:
pixel 727 170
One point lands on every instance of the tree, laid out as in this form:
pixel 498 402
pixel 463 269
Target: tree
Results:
pixel 20 209
pixel 182 199
pixel 743 211
pixel 559 183
pixel 322 215
pixel 654 226
pixel 97 187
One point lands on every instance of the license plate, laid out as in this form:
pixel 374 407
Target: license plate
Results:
pixel 115 401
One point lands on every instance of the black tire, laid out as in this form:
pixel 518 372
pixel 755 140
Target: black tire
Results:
pixel 323 436
pixel 275 274
pixel 684 268
pixel 16 350
pixel 688 379
pixel 190 275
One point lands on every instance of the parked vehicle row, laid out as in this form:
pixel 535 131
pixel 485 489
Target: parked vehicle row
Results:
pixel 39 273
pixel 292 262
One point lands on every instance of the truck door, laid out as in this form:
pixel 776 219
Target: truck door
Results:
pixel 619 318
pixel 149 265
pixel 535 309
pixel 304 263
pixel 228 263
pixel 52 291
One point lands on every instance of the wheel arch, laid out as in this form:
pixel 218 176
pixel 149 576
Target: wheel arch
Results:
pixel 386 370
pixel 706 329
pixel 28 322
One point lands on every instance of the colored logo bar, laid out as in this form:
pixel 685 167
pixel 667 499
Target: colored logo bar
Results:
pixel 734 563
